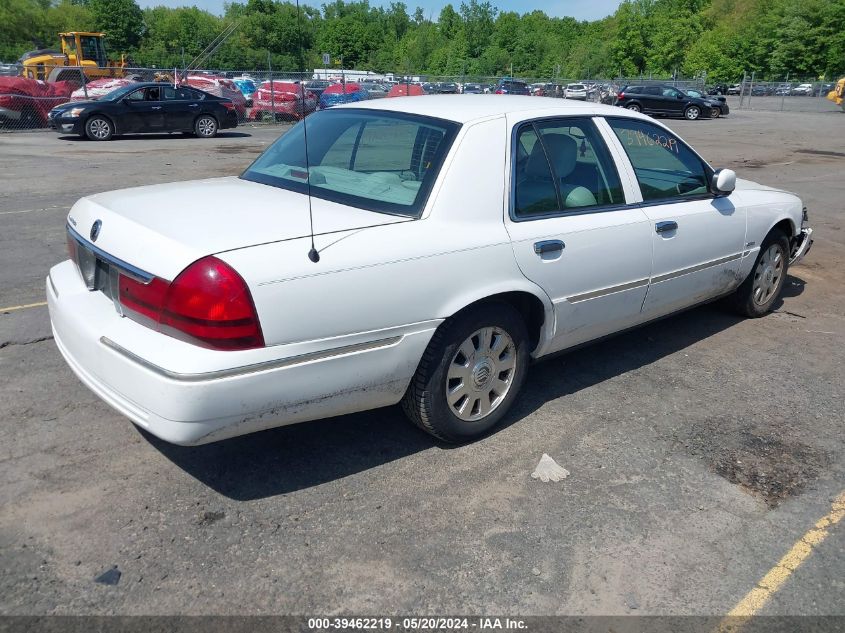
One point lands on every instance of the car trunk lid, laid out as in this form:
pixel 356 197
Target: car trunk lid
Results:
pixel 161 229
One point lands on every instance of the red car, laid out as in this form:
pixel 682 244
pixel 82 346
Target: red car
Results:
pixel 282 100
pixel 406 90
pixel 220 87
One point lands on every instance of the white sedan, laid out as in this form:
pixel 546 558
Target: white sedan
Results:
pixel 455 240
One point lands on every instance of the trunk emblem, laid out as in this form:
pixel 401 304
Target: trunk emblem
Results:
pixel 95 230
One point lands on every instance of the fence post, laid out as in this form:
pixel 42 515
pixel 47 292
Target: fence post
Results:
pixel 84 86
pixel 272 91
pixel 751 88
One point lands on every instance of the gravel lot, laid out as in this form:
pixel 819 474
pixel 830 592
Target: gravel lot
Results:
pixel 700 448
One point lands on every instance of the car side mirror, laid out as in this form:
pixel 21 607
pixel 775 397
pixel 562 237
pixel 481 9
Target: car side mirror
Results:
pixel 723 182
pixel 679 96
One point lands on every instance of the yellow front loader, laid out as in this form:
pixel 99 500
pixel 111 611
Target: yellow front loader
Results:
pixel 837 95
pixel 80 49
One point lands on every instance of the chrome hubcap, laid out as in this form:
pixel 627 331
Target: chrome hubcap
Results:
pixel 481 374
pixel 206 126
pixel 99 128
pixel 692 113
pixel 767 275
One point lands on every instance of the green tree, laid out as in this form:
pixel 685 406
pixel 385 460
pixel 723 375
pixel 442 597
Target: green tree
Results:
pixel 121 20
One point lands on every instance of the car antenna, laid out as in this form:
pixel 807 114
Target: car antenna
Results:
pixel 313 254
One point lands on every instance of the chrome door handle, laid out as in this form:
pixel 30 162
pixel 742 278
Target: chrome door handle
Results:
pixel 156 107
pixel 194 105
pixel 548 246
pixel 663 227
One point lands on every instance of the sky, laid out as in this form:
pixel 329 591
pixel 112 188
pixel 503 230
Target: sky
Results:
pixel 579 9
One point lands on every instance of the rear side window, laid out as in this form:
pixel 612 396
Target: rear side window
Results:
pixel 372 160
pixel 563 165
pixel 665 167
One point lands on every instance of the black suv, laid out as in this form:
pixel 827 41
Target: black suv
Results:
pixel 666 100
pixel 511 87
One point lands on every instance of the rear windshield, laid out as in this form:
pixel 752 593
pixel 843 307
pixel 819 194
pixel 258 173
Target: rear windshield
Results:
pixel 369 159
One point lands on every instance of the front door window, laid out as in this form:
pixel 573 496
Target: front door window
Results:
pixel 665 167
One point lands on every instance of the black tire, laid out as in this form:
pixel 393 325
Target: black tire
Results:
pixel 747 300
pixel 425 402
pixel 206 126
pixel 634 107
pixel 692 113
pixel 715 113
pixel 99 128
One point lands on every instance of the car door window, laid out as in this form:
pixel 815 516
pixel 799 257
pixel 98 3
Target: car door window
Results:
pixel 138 95
pixel 153 94
pixel 665 167
pixel 671 93
pixel 563 165
pixel 177 94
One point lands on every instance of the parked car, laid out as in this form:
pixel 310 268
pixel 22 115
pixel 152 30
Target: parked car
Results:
pixel 375 90
pixel 25 103
pixel 718 104
pixel 803 90
pixel 282 101
pixel 406 90
pixel 316 86
pixel 247 87
pixel 735 89
pixel 224 323
pixel 718 89
pixel 663 100
pixel 447 88
pixel 511 87
pixel 780 91
pixel 576 91
pixel 145 108
pixel 475 89
pixel 340 93
pixel 220 87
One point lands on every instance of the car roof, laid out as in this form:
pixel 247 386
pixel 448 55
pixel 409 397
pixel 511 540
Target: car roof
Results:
pixel 466 108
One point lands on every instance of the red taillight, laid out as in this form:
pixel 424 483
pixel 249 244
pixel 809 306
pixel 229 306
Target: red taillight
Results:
pixel 500 92
pixel 208 304
pixel 228 105
pixel 620 96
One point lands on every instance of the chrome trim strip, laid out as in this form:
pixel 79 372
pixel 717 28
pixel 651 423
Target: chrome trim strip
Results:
pixel 696 268
pixel 140 275
pixel 53 285
pixel 256 367
pixel 594 294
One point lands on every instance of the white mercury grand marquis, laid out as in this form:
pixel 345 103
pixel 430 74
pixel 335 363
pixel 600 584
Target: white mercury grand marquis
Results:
pixel 456 239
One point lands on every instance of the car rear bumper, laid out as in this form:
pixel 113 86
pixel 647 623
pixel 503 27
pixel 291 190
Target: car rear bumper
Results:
pixel 234 396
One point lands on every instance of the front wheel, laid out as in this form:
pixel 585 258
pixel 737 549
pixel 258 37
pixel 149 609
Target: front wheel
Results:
pixel 634 107
pixel 716 113
pixel 470 373
pixel 206 126
pixel 758 293
pixel 692 113
pixel 98 128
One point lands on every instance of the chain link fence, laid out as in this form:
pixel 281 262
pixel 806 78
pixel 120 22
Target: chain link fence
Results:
pixel 273 97
pixel 789 95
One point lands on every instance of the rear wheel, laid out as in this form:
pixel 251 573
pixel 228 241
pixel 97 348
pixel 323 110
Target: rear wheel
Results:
pixel 634 107
pixel 758 293
pixel 470 373
pixel 692 113
pixel 98 128
pixel 205 126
